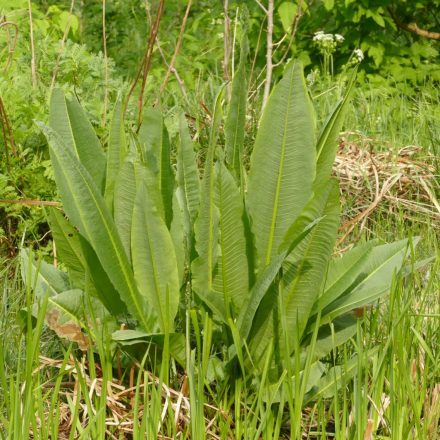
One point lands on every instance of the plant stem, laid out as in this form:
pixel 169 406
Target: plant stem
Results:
pixel 269 49
pixel 176 49
pixel 33 62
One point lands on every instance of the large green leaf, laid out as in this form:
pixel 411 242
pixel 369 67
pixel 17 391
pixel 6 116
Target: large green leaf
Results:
pixel 177 232
pixel 206 225
pixel 282 163
pixel 374 281
pixel 303 274
pixel 343 274
pixel 68 247
pixel 97 282
pixel 231 278
pixel 236 118
pixel 187 172
pixel 68 119
pixel 87 210
pixel 155 142
pixel 126 185
pixel 66 308
pixel 188 184
pixel 116 152
pixel 154 260
pixel 44 278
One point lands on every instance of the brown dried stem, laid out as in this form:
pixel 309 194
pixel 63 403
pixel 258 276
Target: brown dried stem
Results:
pixel 171 65
pixel 145 64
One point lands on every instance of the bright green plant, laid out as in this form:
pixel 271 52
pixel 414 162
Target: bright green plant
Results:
pixel 249 253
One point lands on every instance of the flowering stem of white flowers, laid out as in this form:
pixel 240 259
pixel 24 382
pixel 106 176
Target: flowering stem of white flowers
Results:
pixel 269 49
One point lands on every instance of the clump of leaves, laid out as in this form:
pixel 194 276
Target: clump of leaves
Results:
pixel 251 253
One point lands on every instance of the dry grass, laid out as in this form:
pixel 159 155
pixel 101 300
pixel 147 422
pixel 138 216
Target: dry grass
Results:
pixel 393 181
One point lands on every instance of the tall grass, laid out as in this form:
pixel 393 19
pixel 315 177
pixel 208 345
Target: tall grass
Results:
pixel 390 381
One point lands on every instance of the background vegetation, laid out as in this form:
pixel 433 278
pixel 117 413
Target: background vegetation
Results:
pixel 387 165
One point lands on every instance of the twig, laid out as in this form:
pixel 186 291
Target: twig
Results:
pixel 269 49
pixel 148 58
pixel 296 19
pixel 257 48
pixel 30 202
pixel 33 62
pixel 349 226
pixel 261 6
pixel 412 27
pixel 172 63
pixel 11 45
pixel 145 64
pixel 176 74
pixel 7 134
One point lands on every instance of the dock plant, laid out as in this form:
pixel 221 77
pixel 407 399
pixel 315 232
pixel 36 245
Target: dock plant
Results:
pixel 163 252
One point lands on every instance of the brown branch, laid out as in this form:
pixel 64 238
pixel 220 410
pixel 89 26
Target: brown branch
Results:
pixel 146 63
pixel 294 28
pixel 30 202
pixel 176 49
pixel 148 58
pixel 413 28
pixel 11 42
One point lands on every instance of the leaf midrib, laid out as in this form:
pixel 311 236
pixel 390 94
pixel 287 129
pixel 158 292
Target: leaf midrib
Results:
pixel 279 178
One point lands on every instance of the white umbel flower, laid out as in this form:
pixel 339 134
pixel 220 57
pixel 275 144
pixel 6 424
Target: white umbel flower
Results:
pixel 359 54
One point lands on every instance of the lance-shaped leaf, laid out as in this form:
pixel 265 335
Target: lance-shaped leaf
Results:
pixel 187 172
pixel 68 119
pixel 44 278
pixel 344 273
pixel 282 163
pixel 188 184
pixel 97 282
pixel 65 310
pixel 236 118
pixel 231 278
pixel 303 274
pixel 126 185
pixel 374 281
pixel 87 210
pixel 154 260
pixel 297 232
pixel 116 152
pixel 177 232
pixel 68 246
pixel 327 144
pixel 155 142
pixel 206 225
